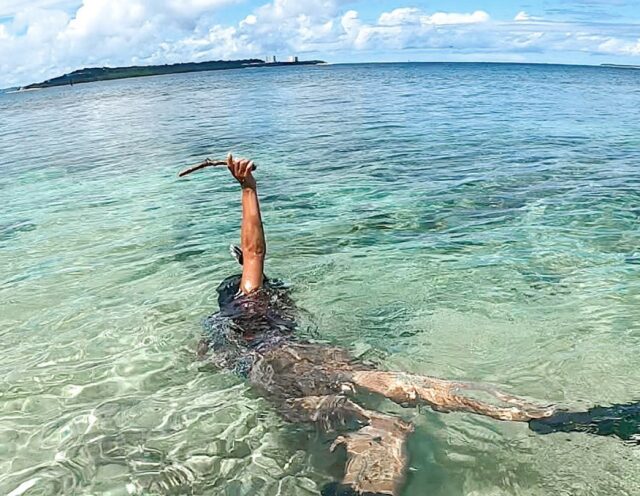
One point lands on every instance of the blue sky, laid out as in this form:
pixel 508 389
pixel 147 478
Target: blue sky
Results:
pixel 45 38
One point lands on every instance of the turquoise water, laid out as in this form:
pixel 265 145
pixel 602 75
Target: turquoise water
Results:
pixel 468 221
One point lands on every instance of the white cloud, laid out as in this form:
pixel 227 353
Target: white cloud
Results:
pixel 413 16
pixel 40 43
pixel 615 46
pixel 10 8
pixel 46 39
pixel 523 16
pixel 444 18
pixel 287 9
pixel 249 20
pixel 400 16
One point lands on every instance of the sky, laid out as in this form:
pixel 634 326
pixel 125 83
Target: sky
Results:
pixel 40 39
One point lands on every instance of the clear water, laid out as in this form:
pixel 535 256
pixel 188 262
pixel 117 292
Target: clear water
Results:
pixel 466 221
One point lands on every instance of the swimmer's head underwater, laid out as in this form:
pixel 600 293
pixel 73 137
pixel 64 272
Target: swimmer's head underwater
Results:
pixel 254 333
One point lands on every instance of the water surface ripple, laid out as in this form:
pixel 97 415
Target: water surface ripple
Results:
pixel 469 221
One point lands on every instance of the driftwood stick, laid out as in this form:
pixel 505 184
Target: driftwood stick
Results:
pixel 206 163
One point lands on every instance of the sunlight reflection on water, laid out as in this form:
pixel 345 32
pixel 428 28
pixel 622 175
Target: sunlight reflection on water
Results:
pixel 469 221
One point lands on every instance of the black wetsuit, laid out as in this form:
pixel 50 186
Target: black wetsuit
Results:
pixel 256 337
pixel 248 328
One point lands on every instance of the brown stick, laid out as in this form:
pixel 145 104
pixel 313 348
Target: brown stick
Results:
pixel 207 163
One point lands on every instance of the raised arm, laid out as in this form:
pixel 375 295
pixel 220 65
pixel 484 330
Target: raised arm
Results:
pixel 253 244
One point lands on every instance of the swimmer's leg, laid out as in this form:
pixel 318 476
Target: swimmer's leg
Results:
pixel 376 450
pixel 622 421
pixel 448 396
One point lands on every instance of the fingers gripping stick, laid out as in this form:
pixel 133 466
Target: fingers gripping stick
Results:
pixel 208 163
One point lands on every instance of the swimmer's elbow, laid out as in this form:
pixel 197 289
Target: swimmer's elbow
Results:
pixel 254 251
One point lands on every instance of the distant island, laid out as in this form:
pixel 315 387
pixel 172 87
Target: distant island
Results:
pixel 92 74
pixel 621 66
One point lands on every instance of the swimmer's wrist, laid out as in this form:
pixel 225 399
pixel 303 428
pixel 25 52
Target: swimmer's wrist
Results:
pixel 249 185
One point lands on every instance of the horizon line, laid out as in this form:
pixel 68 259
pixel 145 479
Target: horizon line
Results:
pixel 601 65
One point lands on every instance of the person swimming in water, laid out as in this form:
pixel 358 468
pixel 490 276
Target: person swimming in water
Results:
pixel 254 334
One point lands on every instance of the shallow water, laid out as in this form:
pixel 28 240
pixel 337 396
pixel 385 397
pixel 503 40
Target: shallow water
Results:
pixel 468 221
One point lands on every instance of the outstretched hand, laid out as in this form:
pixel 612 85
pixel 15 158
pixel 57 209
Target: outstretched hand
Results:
pixel 242 169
